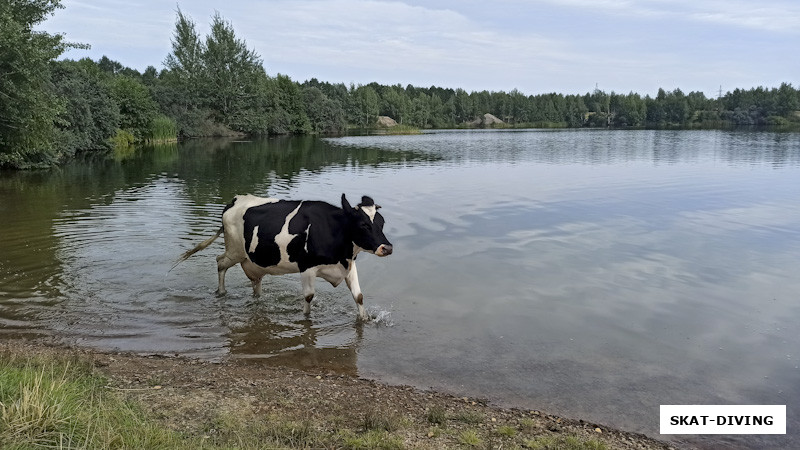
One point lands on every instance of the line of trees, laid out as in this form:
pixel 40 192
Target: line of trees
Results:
pixel 216 86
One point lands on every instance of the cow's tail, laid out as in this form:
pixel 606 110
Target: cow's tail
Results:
pixel 200 246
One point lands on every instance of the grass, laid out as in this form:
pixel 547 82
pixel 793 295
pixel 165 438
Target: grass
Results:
pixel 62 404
pixel 377 420
pixel 374 439
pixel 527 425
pixel 396 130
pixel 563 443
pixel 403 129
pixel 507 431
pixel 437 415
pixel 470 438
pixel 472 417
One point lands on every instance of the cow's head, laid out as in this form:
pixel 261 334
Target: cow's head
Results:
pixel 366 226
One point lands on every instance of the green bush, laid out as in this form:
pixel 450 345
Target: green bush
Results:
pixel 122 139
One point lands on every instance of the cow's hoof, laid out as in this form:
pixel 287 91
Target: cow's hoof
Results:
pixel 220 293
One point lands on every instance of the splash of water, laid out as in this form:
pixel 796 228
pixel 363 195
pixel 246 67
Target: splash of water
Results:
pixel 379 316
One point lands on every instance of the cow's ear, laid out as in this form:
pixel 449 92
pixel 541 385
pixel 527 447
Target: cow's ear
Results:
pixel 366 201
pixel 346 205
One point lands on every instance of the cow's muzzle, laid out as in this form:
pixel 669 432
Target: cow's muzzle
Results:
pixel 384 250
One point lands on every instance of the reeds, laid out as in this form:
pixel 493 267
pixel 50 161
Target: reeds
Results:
pixel 162 130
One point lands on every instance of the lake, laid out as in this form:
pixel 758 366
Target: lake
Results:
pixel 589 273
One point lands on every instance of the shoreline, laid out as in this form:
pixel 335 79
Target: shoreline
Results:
pixel 189 396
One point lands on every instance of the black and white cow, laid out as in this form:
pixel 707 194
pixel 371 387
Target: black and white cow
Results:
pixel 316 239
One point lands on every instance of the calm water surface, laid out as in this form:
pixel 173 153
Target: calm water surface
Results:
pixel 595 274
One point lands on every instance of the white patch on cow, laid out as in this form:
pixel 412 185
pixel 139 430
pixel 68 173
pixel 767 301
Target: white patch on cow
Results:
pixel 284 237
pixel 243 202
pixel 332 273
pixel 308 230
pixel 370 211
pixel 254 241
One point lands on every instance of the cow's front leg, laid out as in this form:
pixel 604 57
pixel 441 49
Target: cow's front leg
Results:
pixel 307 279
pixel 355 289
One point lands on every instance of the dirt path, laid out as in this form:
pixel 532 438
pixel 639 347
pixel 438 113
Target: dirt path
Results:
pixel 192 396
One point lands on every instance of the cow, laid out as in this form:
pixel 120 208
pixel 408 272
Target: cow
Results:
pixel 313 238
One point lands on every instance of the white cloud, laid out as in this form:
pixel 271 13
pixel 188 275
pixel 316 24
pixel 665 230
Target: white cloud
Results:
pixel 391 35
pixel 394 42
pixel 770 15
pixel 545 46
pixel 130 24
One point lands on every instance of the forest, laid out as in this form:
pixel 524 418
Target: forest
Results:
pixel 52 109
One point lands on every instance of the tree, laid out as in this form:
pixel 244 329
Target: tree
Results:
pixel 285 110
pixel 464 109
pixel 186 59
pixel 394 103
pixel 325 115
pixel 627 110
pixel 136 107
pixel 91 116
pixel 365 106
pixel 576 111
pixel 656 116
pixel 182 92
pixel 28 103
pixel 420 110
pixel 211 82
pixel 232 72
pixel 788 100
pixel 436 109
pixel 676 108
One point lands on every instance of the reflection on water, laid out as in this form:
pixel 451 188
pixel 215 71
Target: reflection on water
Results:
pixel 596 274
pixel 87 248
pixel 594 146
pixel 302 343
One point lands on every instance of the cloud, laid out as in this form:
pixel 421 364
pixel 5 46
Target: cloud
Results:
pixel 546 46
pixel 115 22
pixel 773 16
pixel 392 36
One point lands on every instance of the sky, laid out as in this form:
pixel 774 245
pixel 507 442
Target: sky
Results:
pixel 534 46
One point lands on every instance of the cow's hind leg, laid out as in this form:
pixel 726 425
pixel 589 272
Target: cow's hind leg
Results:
pixel 307 279
pixel 254 274
pixel 223 264
pixel 256 286
pixel 355 289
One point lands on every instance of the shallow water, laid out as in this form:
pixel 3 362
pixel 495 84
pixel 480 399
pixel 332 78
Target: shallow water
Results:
pixel 595 274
